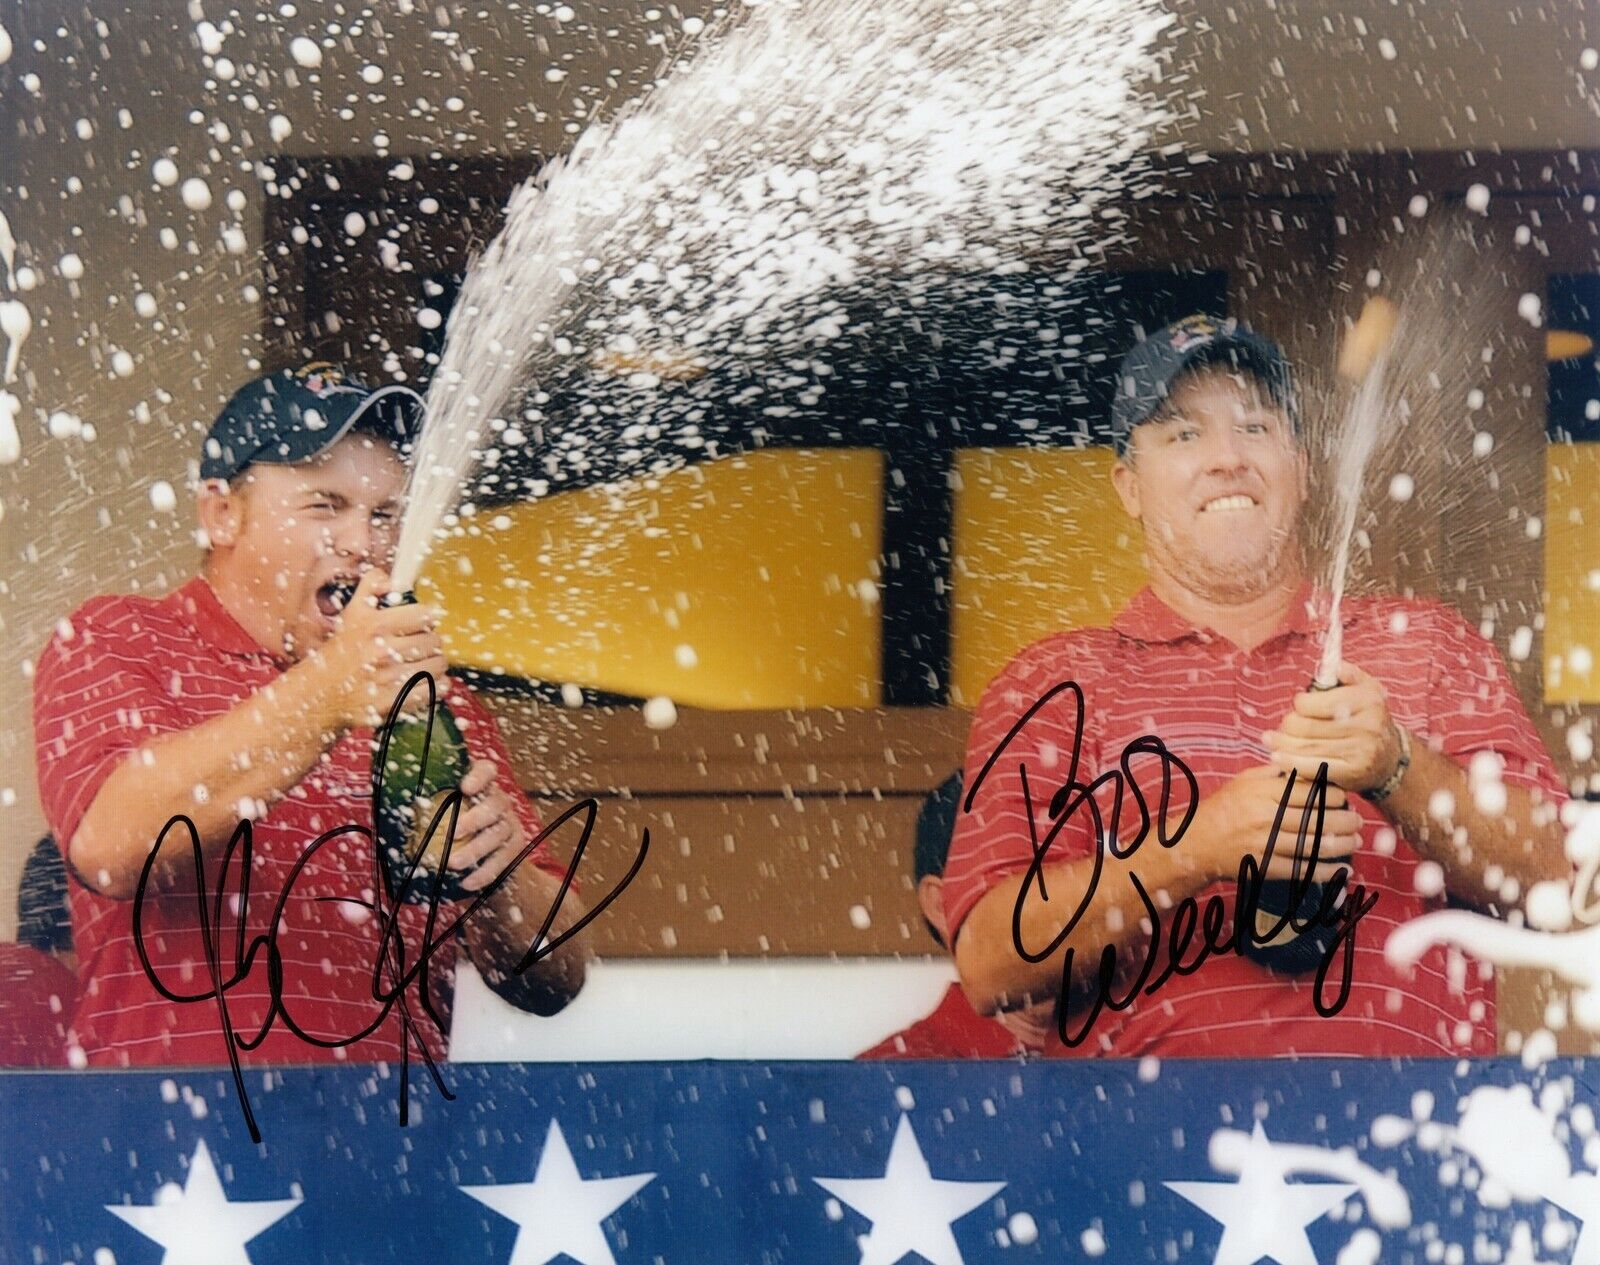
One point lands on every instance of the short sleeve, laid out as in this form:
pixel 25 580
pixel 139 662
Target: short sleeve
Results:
pixel 485 742
pixel 1475 708
pixel 95 700
pixel 1019 753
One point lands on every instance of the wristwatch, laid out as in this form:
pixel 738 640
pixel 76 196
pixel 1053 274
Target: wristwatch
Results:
pixel 1380 793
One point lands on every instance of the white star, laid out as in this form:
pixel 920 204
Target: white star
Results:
pixel 910 1209
pixel 1261 1214
pixel 559 1211
pixel 197 1224
pixel 1581 1198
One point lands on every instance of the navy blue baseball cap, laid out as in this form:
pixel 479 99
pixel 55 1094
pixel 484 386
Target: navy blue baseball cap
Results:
pixel 1147 373
pixel 290 416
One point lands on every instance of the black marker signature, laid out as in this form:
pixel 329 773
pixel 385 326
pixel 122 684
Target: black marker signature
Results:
pixel 1187 916
pixel 392 972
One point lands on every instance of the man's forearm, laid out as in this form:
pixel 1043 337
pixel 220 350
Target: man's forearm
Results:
pixel 1523 842
pixel 996 977
pixel 253 753
pixel 502 931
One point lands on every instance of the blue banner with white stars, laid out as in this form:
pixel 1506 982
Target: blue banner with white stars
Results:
pixel 1314 1162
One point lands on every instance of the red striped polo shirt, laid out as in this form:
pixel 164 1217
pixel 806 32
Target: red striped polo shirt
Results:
pixel 122 670
pixel 1152 672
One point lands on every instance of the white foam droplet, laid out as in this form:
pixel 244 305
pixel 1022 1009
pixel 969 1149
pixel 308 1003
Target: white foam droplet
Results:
pixel 429 318
pixel 860 917
pixel 279 128
pixel 16 322
pixel 371 73
pixel 685 656
pixel 1417 207
pixel 355 224
pixel 64 425
pixel 1387 49
pixel 1023 1228
pixel 572 695
pixel 1521 645
pixel 5 46
pixel 121 363
pixel 306 52
pixel 1389 1130
pixel 162 497
pixel 196 194
pixel 1478 198
pixel 1588 59
pixel 660 712
pixel 71 267
pixel 1530 309
pixel 1364 1248
pixel 1580 744
pixel 1490 798
pixel 10 441
pixel 1401 488
pixel 693 26
pixel 165 172
pixel 1549 906
pixel 1428 879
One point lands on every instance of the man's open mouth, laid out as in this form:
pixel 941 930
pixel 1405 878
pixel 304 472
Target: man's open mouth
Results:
pixel 1236 501
pixel 334 596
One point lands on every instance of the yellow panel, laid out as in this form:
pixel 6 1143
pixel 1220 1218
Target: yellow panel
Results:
pixel 744 582
pixel 1572 573
pixel 1041 545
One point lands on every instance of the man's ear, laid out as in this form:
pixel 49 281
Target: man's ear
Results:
pixel 221 510
pixel 1126 483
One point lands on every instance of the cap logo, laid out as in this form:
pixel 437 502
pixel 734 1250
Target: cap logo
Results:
pixel 1191 332
pixel 320 378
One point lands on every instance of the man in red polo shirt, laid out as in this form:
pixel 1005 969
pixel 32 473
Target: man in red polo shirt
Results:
pixel 249 693
pixel 1439 785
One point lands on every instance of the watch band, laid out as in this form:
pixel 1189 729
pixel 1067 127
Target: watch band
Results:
pixel 1380 793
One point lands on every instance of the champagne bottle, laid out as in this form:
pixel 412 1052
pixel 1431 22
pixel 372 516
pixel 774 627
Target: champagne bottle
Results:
pixel 419 769
pixel 1290 951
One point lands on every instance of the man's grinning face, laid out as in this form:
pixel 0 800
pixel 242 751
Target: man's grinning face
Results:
pixel 305 529
pixel 1218 481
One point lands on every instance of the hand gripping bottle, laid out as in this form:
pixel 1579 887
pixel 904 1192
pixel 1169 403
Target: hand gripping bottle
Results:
pixel 1290 951
pixel 419 768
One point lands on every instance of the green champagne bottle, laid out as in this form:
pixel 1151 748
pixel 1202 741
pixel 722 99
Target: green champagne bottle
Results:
pixel 419 769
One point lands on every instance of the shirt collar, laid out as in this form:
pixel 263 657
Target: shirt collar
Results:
pixel 214 625
pixel 1147 618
